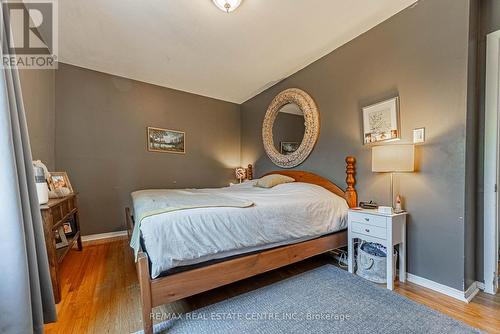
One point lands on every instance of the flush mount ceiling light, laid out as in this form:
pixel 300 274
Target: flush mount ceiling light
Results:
pixel 227 5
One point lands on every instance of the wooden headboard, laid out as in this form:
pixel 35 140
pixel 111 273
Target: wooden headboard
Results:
pixel 349 194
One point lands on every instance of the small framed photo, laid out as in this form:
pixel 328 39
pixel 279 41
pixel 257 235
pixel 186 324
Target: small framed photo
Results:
pixel 288 147
pixel 418 135
pixel 166 141
pixel 60 238
pixel 59 180
pixel 69 227
pixel 381 122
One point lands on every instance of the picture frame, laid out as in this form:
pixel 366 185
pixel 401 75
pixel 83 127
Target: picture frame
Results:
pixel 60 238
pixel 381 122
pixel 419 135
pixel 288 147
pixel 59 180
pixel 69 227
pixel 165 140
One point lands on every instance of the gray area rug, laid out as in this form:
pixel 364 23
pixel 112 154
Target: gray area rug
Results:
pixel 324 300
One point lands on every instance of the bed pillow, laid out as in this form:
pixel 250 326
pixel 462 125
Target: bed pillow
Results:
pixel 272 180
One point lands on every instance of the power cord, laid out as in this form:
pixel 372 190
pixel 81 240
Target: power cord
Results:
pixel 341 258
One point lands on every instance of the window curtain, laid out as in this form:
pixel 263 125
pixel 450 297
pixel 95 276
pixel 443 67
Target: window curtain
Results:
pixel 26 298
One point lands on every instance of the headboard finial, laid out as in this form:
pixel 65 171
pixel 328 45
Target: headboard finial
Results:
pixel 351 195
pixel 250 172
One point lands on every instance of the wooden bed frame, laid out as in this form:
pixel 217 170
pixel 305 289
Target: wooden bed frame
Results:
pixel 167 289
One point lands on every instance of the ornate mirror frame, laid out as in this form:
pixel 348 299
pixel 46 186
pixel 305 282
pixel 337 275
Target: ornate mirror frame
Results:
pixel 311 132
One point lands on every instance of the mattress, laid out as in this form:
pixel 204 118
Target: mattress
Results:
pixel 282 215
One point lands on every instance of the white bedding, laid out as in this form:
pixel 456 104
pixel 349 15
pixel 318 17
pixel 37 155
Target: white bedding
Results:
pixel 284 214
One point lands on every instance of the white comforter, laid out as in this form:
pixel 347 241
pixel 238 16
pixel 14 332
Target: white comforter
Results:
pixel 284 214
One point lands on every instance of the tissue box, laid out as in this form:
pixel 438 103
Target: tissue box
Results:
pixel 387 210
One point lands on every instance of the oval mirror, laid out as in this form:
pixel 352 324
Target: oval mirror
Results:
pixel 291 128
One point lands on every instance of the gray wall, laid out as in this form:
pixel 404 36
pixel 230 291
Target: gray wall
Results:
pixel 101 141
pixel 38 88
pixel 489 13
pixel 421 54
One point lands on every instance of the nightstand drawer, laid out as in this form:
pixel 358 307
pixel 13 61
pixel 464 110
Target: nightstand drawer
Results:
pixel 363 218
pixel 368 229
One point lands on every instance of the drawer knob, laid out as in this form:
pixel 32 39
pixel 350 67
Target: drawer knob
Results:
pixel 367 219
pixel 367 230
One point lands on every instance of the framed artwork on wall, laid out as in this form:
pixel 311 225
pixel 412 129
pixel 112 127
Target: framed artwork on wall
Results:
pixel 166 141
pixel 381 122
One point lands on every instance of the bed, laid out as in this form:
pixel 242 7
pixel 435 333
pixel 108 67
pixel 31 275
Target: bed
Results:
pixel 186 252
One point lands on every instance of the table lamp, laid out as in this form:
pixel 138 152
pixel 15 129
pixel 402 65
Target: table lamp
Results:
pixel 393 159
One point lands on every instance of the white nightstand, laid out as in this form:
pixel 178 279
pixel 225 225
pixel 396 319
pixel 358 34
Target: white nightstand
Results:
pixel 386 229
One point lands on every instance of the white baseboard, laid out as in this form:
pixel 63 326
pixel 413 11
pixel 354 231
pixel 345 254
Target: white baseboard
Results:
pixel 438 287
pixel 101 236
pixel 464 296
pixel 472 291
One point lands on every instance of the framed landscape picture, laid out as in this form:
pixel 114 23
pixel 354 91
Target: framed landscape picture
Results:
pixel 288 147
pixel 381 121
pixel 166 141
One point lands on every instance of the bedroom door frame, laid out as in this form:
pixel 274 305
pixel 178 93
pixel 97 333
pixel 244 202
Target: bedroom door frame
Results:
pixel 491 162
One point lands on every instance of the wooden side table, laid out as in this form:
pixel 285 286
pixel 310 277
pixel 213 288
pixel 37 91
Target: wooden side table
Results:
pixel 54 214
pixel 386 229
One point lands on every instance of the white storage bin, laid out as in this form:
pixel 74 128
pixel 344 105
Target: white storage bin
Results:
pixel 373 267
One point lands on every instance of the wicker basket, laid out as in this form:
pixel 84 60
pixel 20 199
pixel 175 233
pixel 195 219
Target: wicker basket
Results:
pixel 372 267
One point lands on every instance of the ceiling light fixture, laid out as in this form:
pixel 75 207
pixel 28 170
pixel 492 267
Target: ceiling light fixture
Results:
pixel 227 5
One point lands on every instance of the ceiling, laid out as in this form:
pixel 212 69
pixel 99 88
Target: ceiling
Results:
pixel 194 47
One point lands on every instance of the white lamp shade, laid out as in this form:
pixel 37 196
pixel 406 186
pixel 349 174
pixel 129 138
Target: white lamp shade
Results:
pixel 393 158
pixel 240 173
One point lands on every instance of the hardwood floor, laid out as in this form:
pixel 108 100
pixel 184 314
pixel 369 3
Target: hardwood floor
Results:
pixel 100 293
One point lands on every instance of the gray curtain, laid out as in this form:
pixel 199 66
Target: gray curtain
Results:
pixel 26 298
